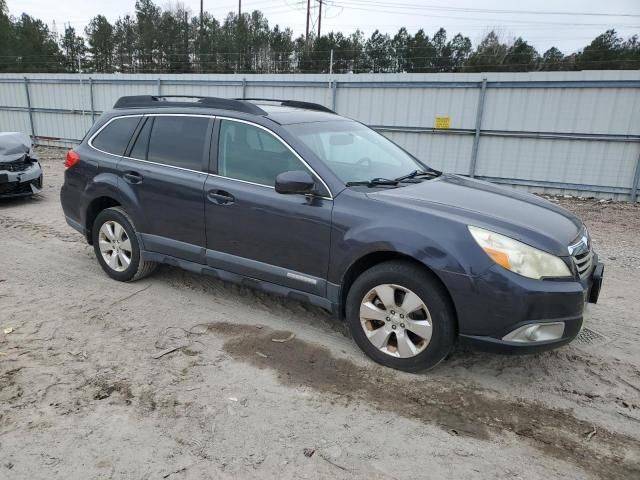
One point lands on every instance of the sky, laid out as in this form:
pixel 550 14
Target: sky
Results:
pixel 566 24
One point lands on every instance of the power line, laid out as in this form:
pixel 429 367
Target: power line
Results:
pixel 361 51
pixel 380 9
pixel 488 10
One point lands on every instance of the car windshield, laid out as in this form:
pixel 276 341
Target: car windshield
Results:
pixel 355 153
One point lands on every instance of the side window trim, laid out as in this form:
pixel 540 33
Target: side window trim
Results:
pixel 136 135
pixel 90 141
pixel 207 145
pixel 213 147
pixel 277 137
pixel 206 151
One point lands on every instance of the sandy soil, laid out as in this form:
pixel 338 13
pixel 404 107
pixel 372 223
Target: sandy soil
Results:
pixel 84 393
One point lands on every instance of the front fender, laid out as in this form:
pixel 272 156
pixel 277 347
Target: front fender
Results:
pixel 362 227
pixel 361 241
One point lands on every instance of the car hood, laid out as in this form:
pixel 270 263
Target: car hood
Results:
pixel 523 216
pixel 14 146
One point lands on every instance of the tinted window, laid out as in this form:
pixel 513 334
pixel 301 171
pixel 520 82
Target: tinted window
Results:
pixel 178 141
pixel 139 149
pixel 115 136
pixel 250 153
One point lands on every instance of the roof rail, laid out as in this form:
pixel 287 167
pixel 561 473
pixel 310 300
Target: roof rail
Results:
pixel 150 101
pixel 292 103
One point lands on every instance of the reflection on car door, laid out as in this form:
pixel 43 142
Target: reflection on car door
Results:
pixel 254 231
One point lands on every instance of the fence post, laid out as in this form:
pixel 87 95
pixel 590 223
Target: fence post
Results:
pixel 331 64
pixel 334 88
pixel 244 88
pixel 636 182
pixel 159 81
pixel 93 111
pixel 26 91
pixel 476 138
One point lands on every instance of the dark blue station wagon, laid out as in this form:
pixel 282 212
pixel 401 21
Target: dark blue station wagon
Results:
pixel 291 198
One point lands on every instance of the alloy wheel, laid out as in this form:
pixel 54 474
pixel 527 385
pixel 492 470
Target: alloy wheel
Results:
pixel 396 320
pixel 115 246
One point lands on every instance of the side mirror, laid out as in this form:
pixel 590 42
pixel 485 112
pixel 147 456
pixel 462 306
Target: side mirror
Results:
pixel 296 181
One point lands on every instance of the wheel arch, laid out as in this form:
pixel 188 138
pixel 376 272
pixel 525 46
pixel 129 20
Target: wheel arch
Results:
pixel 94 208
pixel 372 259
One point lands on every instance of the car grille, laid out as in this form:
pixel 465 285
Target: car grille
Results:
pixel 582 254
pixel 15 166
pixel 15 188
pixel 583 263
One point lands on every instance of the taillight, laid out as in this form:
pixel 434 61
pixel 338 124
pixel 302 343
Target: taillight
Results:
pixel 72 159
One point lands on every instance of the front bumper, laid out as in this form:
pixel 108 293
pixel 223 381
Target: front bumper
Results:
pixel 494 305
pixel 22 183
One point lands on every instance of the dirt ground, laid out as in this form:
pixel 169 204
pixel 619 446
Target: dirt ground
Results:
pixel 85 394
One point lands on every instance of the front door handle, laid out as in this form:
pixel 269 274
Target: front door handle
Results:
pixel 132 177
pixel 220 197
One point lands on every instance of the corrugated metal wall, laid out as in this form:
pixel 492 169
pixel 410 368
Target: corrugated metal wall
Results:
pixel 555 132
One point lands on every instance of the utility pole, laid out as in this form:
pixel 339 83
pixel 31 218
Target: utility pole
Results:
pixel 239 23
pixel 200 36
pixel 306 37
pixel 319 16
pixel 185 67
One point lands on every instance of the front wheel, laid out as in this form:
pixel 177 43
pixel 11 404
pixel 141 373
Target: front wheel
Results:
pixel 401 316
pixel 116 246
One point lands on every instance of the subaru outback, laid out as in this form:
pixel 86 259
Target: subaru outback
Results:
pixel 291 198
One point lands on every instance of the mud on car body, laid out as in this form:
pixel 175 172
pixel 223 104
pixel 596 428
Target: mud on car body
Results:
pixel 20 171
pixel 291 198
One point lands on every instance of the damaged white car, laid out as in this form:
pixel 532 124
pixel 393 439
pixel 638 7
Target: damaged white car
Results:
pixel 20 171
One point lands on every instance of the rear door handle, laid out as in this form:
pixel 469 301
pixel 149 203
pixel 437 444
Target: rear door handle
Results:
pixel 220 197
pixel 132 177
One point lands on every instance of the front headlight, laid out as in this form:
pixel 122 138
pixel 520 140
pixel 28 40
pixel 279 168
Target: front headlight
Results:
pixel 519 257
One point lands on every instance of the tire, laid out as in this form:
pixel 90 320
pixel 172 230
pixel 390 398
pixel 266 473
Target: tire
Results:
pixel 416 338
pixel 119 269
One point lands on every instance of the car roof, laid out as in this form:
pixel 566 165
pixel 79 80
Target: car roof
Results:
pixel 283 112
pixel 284 115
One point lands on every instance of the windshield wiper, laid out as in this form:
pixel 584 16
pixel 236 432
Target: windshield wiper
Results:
pixel 374 182
pixel 417 173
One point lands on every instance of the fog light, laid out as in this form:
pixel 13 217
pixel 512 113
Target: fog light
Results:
pixel 536 332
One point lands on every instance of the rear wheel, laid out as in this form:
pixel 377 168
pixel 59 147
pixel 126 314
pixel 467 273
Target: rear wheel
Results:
pixel 401 316
pixel 116 246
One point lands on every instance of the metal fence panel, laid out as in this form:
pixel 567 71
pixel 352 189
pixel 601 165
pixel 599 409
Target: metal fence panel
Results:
pixel 571 132
pixel 450 153
pixel 12 94
pixel 586 163
pixel 60 125
pixel 15 121
pixel 572 110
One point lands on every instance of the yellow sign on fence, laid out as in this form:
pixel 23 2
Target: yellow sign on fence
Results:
pixel 443 122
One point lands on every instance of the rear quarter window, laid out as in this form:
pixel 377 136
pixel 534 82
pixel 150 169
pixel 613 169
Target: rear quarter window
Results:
pixel 116 135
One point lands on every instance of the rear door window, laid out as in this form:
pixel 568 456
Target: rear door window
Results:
pixel 115 137
pixel 179 141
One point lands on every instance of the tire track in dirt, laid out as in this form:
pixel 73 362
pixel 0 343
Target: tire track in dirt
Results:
pixel 39 229
pixel 461 409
